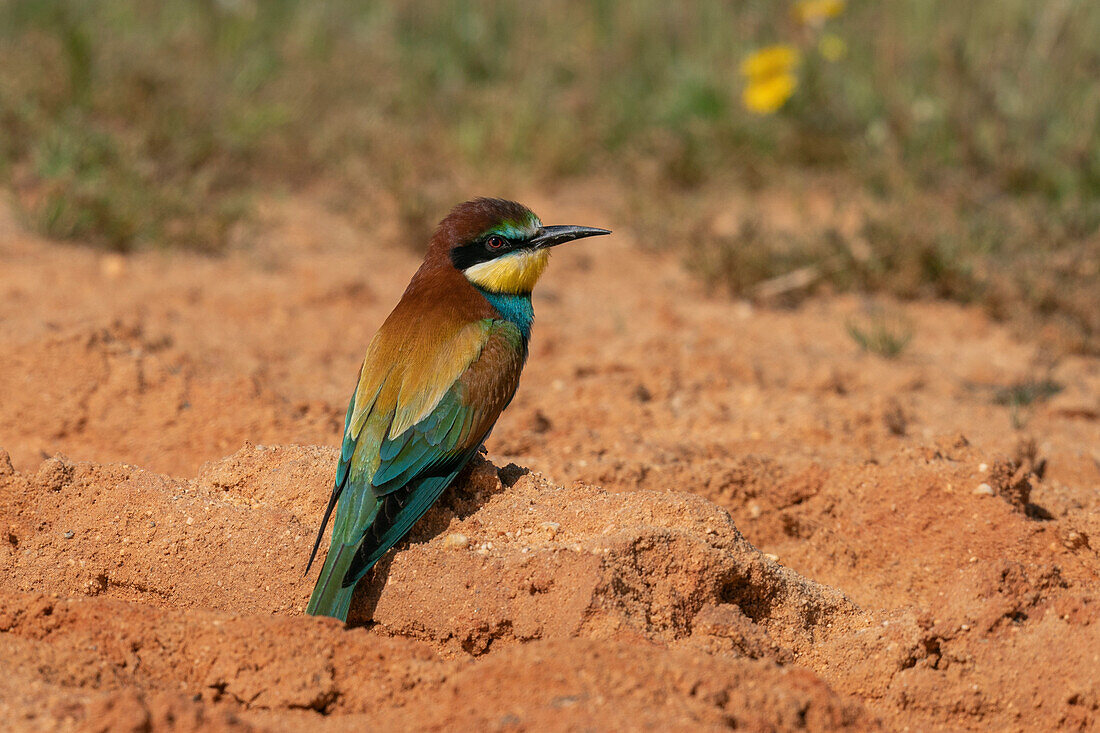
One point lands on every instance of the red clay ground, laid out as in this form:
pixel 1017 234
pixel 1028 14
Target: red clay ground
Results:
pixel 697 514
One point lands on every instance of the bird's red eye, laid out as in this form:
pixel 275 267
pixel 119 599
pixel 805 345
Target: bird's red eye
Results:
pixel 494 242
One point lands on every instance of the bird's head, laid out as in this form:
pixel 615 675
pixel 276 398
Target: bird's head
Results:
pixel 501 246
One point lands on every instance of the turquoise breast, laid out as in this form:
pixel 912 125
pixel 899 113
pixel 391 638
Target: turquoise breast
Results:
pixel 514 308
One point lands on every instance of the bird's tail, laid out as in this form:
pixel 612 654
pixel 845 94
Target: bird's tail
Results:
pixel 329 597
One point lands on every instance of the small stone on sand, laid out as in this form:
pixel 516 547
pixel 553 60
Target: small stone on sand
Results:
pixel 455 541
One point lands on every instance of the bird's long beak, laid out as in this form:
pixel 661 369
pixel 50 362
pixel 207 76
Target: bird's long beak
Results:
pixel 553 236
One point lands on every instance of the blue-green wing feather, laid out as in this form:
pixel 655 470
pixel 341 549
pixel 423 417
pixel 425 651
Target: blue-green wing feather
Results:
pixel 421 446
pixel 376 508
pixel 342 468
pixel 424 492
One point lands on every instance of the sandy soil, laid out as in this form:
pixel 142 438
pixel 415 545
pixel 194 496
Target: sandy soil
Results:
pixel 697 514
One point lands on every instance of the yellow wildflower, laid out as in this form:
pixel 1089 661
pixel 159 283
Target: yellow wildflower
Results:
pixel 816 12
pixel 769 78
pixel 769 61
pixel 832 47
pixel 766 95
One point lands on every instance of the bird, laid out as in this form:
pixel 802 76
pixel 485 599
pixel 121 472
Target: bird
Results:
pixel 437 374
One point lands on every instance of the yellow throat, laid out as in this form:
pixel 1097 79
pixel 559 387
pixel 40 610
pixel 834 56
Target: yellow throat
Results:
pixel 514 274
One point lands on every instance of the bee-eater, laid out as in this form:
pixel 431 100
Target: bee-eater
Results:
pixel 437 375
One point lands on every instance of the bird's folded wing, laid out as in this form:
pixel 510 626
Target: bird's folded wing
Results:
pixel 412 420
pixel 402 382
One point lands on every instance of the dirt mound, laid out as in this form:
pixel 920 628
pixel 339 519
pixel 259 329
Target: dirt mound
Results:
pixel 116 393
pixel 528 560
pixel 570 685
pixel 102 663
pixel 587 580
pixel 123 587
pixel 121 532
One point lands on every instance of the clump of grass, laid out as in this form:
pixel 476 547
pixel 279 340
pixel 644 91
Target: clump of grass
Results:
pixel 744 261
pixel 1013 256
pixel 881 333
pixel 1026 392
pixel 113 129
pixel 1020 397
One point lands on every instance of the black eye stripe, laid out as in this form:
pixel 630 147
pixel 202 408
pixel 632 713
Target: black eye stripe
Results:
pixel 478 251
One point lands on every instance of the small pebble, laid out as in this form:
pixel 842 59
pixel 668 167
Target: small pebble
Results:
pixel 984 490
pixel 455 541
pixel 551 528
pixel 68 535
pixel 983 467
pixel 1073 540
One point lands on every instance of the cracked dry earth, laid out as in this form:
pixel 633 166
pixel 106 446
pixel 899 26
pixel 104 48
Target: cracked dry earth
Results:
pixel 695 515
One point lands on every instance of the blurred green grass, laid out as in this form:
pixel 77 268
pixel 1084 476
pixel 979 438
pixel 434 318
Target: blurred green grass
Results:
pixel 132 124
